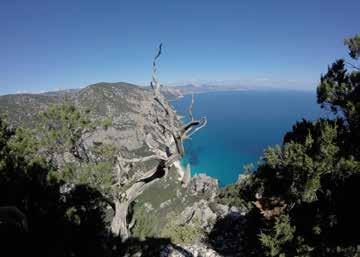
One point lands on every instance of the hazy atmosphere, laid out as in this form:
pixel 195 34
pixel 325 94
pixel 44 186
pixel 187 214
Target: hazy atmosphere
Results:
pixel 50 45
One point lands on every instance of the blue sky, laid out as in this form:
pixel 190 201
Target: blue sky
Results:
pixel 48 45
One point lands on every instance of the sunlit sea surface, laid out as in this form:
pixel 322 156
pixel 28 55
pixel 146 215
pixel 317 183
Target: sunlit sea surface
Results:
pixel 240 126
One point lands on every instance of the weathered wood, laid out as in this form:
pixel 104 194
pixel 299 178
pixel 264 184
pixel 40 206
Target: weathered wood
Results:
pixel 170 137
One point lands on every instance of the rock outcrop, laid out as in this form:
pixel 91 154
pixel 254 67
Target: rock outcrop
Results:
pixel 199 213
pixel 203 184
pixel 130 109
pixel 197 250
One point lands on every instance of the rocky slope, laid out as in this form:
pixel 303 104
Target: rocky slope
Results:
pixel 166 209
pixel 125 104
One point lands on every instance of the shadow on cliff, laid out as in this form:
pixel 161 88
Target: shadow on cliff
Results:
pixel 40 216
pixel 234 234
pixel 148 247
pixel 53 225
pixel 57 226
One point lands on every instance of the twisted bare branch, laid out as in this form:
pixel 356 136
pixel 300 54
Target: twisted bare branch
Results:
pixel 352 65
pixel 170 137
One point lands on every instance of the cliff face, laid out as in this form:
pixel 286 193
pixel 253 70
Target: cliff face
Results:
pixel 164 207
pixel 125 108
pixel 127 105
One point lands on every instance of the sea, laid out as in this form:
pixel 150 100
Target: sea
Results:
pixel 241 124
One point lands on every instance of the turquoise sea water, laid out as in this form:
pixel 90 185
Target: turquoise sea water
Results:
pixel 240 125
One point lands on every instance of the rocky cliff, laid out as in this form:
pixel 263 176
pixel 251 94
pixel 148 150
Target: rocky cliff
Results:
pixel 125 112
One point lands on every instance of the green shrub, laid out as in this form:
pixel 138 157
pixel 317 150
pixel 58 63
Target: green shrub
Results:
pixel 277 237
pixel 145 223
pixel 181 234
pixel 106 123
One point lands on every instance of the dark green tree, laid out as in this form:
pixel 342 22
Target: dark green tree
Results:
pixel 354 46
pixel 35 217
pixel 302 195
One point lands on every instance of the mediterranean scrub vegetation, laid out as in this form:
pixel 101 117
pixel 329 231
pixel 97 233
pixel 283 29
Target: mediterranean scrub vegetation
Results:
pixel 62 197
pixel 303 194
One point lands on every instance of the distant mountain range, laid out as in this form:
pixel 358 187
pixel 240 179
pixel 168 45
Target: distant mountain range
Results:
pixel 105 98
pixel 205 88
pixel 116 100
pixel 127 105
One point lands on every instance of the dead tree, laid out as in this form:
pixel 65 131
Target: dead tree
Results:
pixel 166 145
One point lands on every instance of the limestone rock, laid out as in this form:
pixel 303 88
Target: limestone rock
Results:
pixel 199 213
pixel 203 184
pixel 198 250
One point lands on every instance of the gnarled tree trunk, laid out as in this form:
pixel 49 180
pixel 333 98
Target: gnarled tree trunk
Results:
pixel 168 149
pixel 119 223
